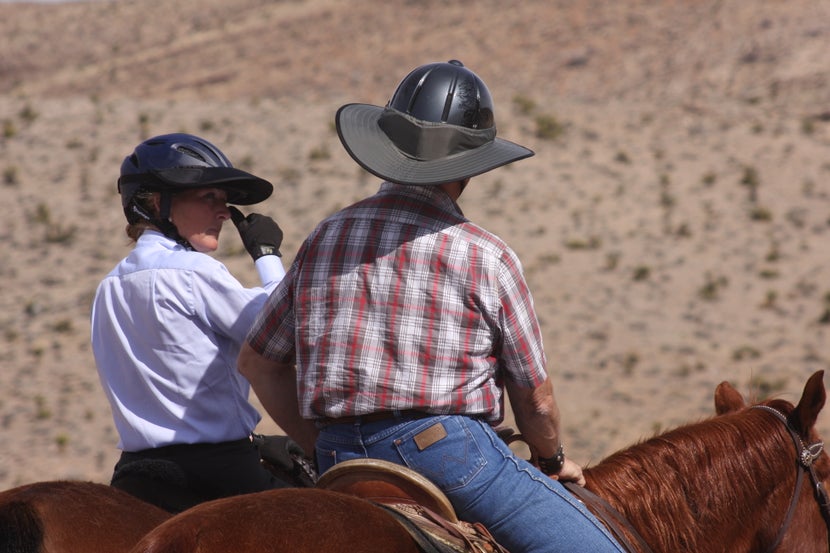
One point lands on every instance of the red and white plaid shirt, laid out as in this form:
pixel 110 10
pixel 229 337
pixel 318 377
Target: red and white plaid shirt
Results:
pixel 400 302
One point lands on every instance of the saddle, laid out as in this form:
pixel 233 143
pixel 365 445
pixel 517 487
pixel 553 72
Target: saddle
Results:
pixel 415 502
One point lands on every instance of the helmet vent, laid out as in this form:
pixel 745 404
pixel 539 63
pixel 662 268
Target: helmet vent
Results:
pixel 191 152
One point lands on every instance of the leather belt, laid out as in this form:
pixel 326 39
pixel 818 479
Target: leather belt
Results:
pixel 404 414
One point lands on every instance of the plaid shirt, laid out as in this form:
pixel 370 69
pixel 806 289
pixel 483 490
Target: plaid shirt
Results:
pixel 400 302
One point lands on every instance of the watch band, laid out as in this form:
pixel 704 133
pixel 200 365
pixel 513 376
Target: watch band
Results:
pixel 552 465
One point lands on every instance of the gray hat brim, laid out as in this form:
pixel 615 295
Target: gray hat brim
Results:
pixel 363 139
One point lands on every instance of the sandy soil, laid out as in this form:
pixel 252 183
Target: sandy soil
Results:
pixel 673 225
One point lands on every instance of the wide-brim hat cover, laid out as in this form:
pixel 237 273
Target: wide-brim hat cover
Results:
pixel 396 145
pixel 242 187
pixel 178 161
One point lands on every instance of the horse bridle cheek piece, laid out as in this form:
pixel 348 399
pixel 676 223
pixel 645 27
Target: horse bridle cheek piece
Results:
pixel 806 455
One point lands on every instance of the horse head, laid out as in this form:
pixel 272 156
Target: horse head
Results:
pixel 732 482
pixel 800 422
pixel 805 534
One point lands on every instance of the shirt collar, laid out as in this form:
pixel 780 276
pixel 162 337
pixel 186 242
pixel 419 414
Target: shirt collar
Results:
pixel 434 195
pixel 152 236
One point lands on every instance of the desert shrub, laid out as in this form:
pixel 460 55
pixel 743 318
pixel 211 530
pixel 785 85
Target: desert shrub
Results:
pixel 709 178
pixel 246 163
pixel 42 214
pixel 60 234
pixel 641 272
pixel 42 411
pixel 548 127
pixel 760 213
pixel 751 181
pixel 11 175
pixel 28 114
pixel 63 326
pixel 525 105
pixel 590 243
pixel 770 300
pixel 319 153
pixel 745 352
pixel 710 291
pixel 9 129
pixel 766 388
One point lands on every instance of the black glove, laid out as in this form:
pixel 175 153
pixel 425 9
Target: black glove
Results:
pixel 260 233
pixel 278 450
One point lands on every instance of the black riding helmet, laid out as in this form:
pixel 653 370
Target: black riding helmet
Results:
pixel 438 127
pixel 445 93
pixel 171 163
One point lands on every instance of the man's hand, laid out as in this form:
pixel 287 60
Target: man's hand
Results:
pixel 260 234
pixel 571 472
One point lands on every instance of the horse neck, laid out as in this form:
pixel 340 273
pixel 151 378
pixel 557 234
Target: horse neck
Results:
pixel 711 486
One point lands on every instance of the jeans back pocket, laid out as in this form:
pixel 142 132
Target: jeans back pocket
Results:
pixel 443 449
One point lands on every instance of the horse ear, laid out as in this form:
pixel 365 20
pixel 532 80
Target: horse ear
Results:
pixel 727 399
pixel 811 403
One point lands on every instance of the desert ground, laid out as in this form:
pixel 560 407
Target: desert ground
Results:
pixel 674 224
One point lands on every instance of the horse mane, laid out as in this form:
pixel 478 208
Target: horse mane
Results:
pixel 674 484
pixel 20 528
pixel 73 516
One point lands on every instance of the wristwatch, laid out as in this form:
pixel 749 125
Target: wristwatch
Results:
pixel 552 465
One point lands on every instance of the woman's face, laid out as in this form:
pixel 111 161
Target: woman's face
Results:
pixel 198 215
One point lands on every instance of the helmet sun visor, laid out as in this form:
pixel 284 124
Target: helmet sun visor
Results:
pixel 243 188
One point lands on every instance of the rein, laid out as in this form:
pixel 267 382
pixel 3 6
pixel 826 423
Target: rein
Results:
pixel 806 456
pixel 609 516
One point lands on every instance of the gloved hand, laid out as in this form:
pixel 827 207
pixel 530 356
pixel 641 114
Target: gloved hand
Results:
pixel 278 450
pixel 260 234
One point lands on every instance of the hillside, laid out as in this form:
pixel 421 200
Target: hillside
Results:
pixel 673 225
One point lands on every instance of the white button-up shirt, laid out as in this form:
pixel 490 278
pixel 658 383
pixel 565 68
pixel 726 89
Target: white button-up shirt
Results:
pixel 167 324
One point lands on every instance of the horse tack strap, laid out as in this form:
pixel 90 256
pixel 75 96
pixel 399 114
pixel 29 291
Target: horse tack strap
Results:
pixel 435 534
pixel 609 516
pixel 790 512
pixel 425 542
pixel 806 456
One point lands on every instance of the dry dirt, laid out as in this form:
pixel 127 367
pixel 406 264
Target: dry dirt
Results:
pixel 674 225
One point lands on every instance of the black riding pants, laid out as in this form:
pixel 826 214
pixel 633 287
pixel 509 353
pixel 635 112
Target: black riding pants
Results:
pixel 180 476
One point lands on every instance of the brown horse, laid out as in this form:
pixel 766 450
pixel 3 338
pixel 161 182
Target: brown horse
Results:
pixel 295 520
pixel 72 516
pixel 730 483
pixel 734 482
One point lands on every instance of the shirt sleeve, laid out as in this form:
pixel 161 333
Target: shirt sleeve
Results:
pixel 224 304
pixel 271 271
pixel 273 332
pixel 522 351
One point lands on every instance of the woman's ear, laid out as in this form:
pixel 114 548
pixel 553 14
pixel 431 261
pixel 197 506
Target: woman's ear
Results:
pixel 155 202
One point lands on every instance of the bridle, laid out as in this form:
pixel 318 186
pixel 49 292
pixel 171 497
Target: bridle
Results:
pixel 806 455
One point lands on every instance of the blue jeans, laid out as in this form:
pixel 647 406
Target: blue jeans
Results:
pixel 523 509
